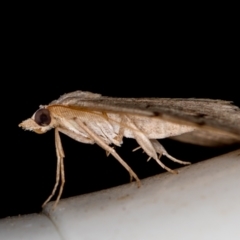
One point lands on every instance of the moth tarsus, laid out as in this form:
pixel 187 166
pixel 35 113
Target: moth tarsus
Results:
pixel 91 118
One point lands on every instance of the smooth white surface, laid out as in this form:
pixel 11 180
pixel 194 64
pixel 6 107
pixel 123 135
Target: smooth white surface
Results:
pixel 28 227
pixel 201 202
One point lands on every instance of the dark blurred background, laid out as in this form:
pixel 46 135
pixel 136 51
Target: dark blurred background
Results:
pixel 44 60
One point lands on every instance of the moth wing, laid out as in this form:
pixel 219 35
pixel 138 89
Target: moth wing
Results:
pixel 215 120
pixel 206 138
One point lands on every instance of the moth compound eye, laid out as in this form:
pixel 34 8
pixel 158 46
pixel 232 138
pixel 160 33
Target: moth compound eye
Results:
pixel 42 117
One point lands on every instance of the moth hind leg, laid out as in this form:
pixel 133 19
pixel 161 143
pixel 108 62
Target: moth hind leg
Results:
pixel 162 151
pixel 148 146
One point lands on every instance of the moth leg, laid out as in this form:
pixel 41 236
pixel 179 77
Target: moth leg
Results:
pixel 61 156
pixel 103 145
pixel 108 153
pixel 120 135
pixel 78 137
pixel 162 151
pixel 60 169
pixel 146 145
pixel 75 136
pixel 118 138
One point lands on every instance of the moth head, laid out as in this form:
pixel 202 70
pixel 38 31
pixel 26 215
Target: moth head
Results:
pixel 40 122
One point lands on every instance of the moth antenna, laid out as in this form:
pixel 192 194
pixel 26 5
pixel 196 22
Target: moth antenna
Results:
pixel 149 159
pixel 135 149
pixel 162 151
pixel 175 159
pixel 165 167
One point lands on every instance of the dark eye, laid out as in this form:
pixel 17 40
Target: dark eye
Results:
pixel 42 117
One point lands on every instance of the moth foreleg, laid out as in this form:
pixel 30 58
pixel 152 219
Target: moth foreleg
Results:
pixel 61 156
pixel 75 136
pixel 60 170
pixel 162 151
pixel 120 134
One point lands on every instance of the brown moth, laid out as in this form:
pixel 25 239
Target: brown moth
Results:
pixel 91 118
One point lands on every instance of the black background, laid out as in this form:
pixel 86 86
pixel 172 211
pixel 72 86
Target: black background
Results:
pixel 46 60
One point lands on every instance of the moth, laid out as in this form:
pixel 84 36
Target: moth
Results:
pixel 92 118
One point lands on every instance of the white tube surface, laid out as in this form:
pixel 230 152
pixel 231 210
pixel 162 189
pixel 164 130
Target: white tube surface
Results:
pixel 201 202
